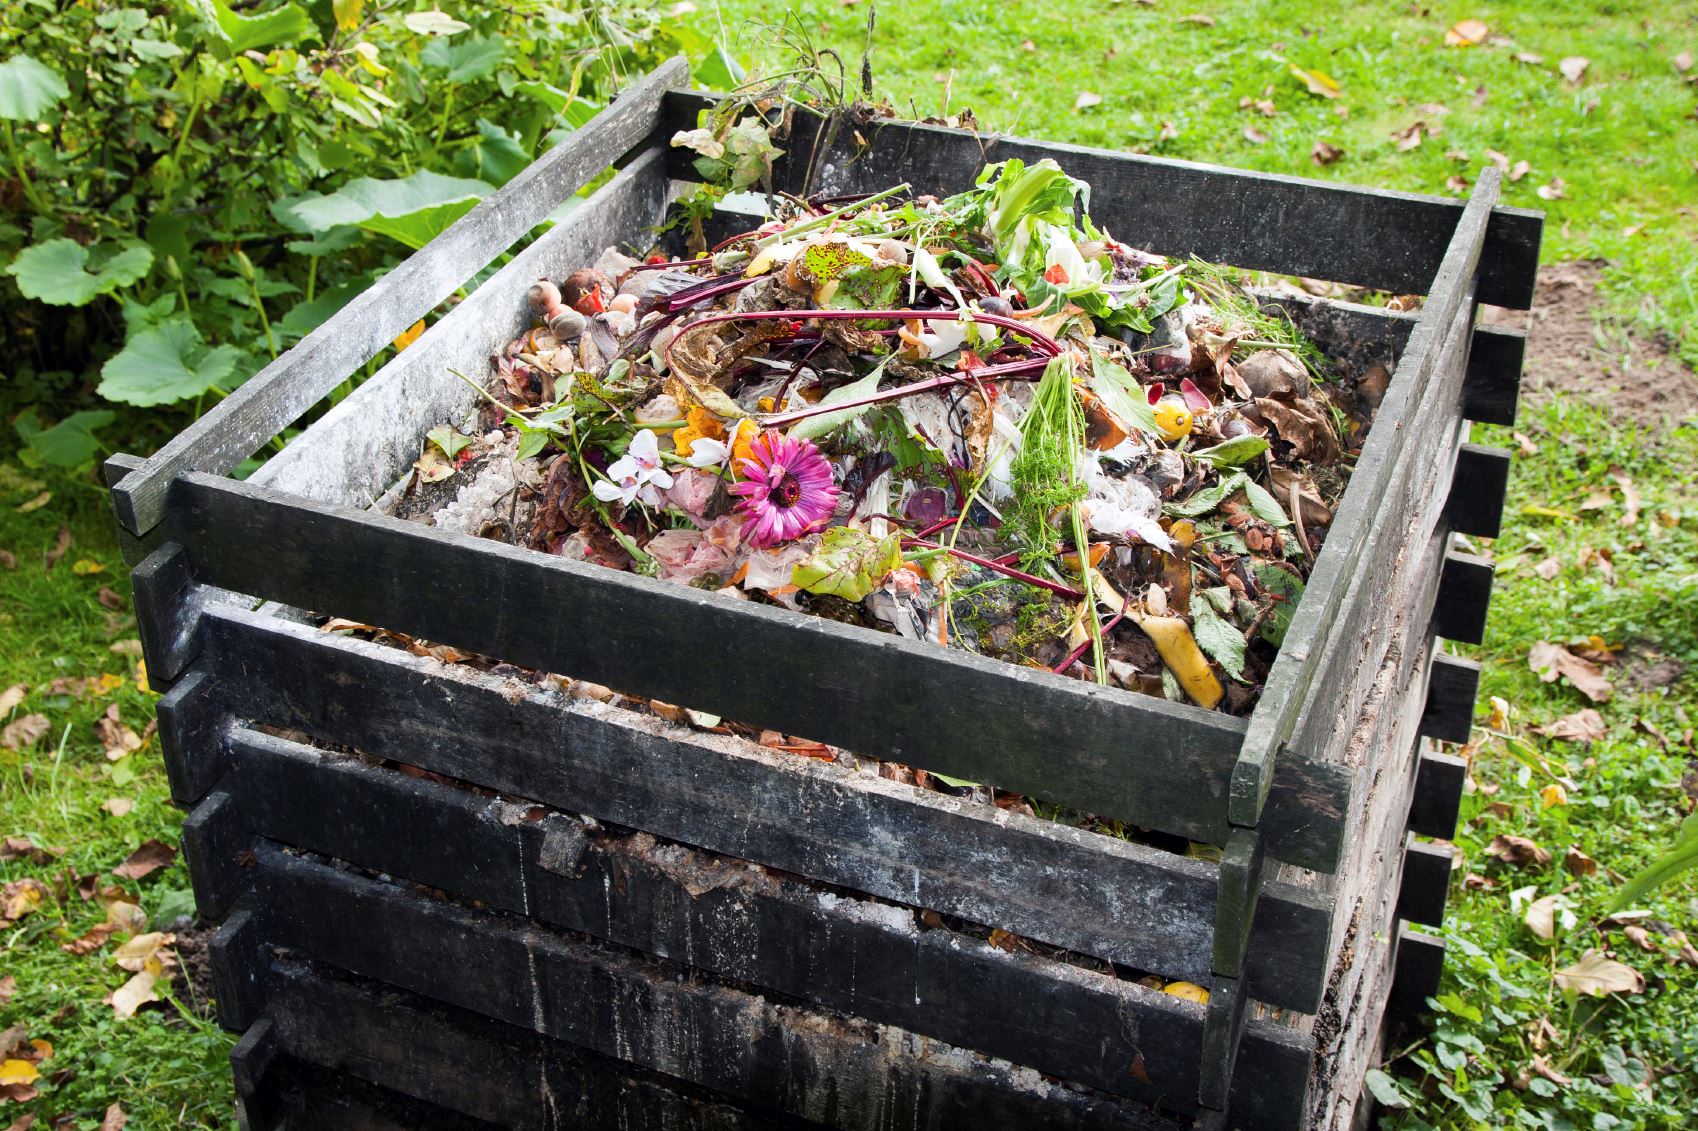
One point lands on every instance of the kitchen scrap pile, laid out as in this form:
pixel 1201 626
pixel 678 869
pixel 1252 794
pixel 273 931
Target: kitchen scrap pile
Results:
pixel 979 422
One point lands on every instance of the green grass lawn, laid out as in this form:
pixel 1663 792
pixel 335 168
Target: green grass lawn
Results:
pixel 1621 142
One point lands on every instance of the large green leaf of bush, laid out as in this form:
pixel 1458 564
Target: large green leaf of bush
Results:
pixel 69 443
pixel 55 272
pixel 413 209
pixel 287 24
pixel 29 89
pixel 464 60
pixel 166 363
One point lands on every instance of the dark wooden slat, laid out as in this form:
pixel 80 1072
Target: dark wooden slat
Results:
pixel 843 1071
pixel 1438 795
pixel 1453 684
pixel 1426 882
pixel 1316 640
pixel 1242 871
pixel 1477 489
pixel 867 959
pixel 235 955
pixel 189 730
pixel 1223 1033
pixel 215 844
pixel 277 396
pixel 1103 750
pixel 499 1075
pixel 1384 240
pixel 131 547
pixel 363 445
pixel 1465 598
pixel 1494 375
pixel 163 585
pixel 295 1095
pixel 253 1058
pixel 1093 894
pixel 1420 966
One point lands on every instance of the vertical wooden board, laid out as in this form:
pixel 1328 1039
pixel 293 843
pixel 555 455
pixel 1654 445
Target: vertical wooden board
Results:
pixel 191 731
pixel 277 396
pixel 1494 375
pixel 1477 489
pixel 1465 598
pixel 863 958
pixel 1438 795
pixel 237 970
pixel 843 1071
pixel 1105 750
pixel 217 847
pixel 1420 966
pixel 1426 882
pixel 1384 240
pixel 1453 684
pixel 365 443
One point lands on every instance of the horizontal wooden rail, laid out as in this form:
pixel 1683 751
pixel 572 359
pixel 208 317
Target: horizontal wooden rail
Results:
pixel 1141 759
pixel 773 1055
pixel 1125 902
pixel 714 913
pixel 1389 241
pixel 281 392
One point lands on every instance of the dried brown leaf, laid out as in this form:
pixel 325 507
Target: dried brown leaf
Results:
pixel 11 697
pixel 1087 99
pixel 117 806
pixel 1683 62
pixel 1517 851
pixel 114 1119
pixel 1573 68
pixel 1553 190
pixel 24 732
pixel 149 858
pixel 1199 19
pixel 1598 975
pixel 1584 725
pixel 61 546
pixel 23 848
pixel 1255 136
pixel 1467 33
pixel 1553 660
pixel 1409 137
pixel 1529 58
pixel 1578 863
pixel 1325 153
pixel 1519 169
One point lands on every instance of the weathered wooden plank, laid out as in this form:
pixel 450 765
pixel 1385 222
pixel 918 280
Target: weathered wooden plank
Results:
pixel 868 959
pixel 1494 374
pixel 1103 750
pixel 1096 895
pixel 1388 241
pixel 503 1075
pixel 1426 882
pixel 841 1071
pixel 358 449
pixel 1465 598
pixel 1438 795
pixel 1223 1033
pixel 253 1058
pixel 235 955
pixel 163 585
pixel 1477 490
pixel 189 722
pixel 131 547
pixel 294 1095
pixel 277 396
pixel 1314 644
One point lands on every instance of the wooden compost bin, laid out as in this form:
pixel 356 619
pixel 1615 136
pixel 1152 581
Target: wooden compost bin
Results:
pixel 395 943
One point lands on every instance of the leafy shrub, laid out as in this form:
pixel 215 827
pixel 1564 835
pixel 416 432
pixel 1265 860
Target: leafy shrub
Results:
pixel 190 187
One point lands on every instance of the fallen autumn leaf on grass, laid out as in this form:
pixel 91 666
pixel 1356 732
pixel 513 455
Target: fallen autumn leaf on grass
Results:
pixel 1087 99
pixel 1584 725
pixel 1517 851
pixel 1550 661
pixel 1597 974
pixel 1553 190
pixel 1574 67
pixel 1316 82
pixel 24 732
pixel 1325 153
pixel 1467 33
pixel 1546 915
pixel 12 696
pixel 150 857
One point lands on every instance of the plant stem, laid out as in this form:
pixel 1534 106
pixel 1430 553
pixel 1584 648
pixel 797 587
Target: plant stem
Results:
pixel 265 323
pixel 826 218
pixel 30 191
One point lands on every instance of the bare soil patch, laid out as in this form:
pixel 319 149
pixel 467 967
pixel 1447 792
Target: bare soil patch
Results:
pixel 1575 348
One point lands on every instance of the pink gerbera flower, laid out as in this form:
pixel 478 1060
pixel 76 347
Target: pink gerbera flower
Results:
pixel 787 490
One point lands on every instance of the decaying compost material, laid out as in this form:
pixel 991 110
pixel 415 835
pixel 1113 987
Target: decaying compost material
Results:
pixel 978 422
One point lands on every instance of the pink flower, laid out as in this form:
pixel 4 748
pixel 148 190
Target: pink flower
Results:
pixel 685 555
pixel 692 491
pixel 787 490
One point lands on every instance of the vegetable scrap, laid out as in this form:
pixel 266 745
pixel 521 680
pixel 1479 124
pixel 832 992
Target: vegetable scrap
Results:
pixel 978 422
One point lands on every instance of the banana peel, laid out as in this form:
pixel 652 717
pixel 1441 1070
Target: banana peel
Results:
pixel 1178 650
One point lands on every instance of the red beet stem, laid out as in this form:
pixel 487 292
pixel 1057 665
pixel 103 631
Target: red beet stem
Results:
pixel 1006 571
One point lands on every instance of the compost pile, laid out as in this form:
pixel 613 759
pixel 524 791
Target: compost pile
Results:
pixel 978 422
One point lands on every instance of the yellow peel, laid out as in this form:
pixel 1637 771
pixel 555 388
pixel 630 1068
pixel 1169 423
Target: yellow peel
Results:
pixel 1178 650
pixel 1190 991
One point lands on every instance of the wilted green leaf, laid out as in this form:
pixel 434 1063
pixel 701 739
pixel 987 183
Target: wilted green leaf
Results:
pixel 1235 452
pixel 54 272
pixel 413 210
pixel 29 89
pixel 464 60
pixel 815 426
pixel 450 441
pixel 1263 505
pixel 848 564
pixel 1285 585
pixel 1217 637
pixel 165 364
